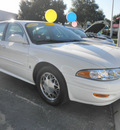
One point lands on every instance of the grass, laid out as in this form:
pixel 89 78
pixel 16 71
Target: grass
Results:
pixel 115 39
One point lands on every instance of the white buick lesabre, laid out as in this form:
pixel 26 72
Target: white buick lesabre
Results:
pixel 59 63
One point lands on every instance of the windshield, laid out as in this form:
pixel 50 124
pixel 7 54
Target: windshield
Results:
pixel 79 32
pixel 43 33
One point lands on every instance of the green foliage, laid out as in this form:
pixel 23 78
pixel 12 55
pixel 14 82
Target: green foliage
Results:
pixel 116 21
pixel 35 9
pixel 25 9
pixel 59 7
pixel 87 10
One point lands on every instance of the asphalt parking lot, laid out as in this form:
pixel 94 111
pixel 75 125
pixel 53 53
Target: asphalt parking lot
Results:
pixel 21 108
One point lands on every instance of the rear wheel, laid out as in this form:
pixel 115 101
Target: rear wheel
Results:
pixel 51 85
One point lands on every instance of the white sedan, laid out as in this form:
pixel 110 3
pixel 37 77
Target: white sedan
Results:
pixel 59 63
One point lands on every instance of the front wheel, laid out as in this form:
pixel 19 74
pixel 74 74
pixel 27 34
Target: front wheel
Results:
pixel 51 85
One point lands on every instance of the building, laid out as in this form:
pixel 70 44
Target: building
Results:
pixel 115 29
pixel 7 15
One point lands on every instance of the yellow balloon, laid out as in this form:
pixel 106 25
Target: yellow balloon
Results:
pixel 51 15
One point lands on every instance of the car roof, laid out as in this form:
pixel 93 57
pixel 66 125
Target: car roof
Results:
pixel 23 22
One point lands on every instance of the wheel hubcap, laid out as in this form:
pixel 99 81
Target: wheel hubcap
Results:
pixel 50 86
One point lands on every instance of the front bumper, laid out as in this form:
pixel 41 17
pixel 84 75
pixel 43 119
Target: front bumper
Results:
pixel 81 90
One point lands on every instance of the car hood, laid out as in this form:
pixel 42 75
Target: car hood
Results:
pixel 101 41
pixel 95 28
pixel 99 55
pixel 104 37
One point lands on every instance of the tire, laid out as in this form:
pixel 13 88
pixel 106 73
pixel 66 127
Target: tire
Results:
pixel 51 85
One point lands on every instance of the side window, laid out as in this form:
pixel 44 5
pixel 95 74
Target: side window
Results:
pixel 14 28
pixel 2 28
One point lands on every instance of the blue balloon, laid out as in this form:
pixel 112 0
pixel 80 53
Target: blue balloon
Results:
pixel 71 17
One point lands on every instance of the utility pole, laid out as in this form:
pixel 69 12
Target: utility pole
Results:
pixel 111 30
pixel 118 42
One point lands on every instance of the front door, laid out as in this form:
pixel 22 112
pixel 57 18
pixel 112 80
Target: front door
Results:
pixel 15 55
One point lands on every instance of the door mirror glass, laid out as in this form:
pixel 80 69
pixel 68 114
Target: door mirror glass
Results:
pixel 15 33
pixel 17 38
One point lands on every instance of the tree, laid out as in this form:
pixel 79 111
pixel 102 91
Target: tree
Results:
pixel 87 10
pixel 39 7
pixel 116 21
pixel 25 9
pixel 35 9
pixel 59 7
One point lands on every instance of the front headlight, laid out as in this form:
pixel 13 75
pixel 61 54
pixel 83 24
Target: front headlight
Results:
pixel 100 74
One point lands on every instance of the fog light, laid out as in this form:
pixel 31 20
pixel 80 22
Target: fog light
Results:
pixel 101 95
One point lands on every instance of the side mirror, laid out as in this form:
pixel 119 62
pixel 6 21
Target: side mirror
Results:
pixel 17 38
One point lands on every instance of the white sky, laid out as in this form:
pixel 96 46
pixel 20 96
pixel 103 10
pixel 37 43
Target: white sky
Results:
pixel 10 5
pixel 105 5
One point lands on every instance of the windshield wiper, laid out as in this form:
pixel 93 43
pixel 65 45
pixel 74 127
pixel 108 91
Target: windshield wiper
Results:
pixel 75 40
pixel 54 41
pixel 50 41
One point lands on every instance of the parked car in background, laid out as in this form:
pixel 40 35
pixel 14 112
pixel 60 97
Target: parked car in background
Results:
pixel 94 30
pixel 95 40
pixel 60 63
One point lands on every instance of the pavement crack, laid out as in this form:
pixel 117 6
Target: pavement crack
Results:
pixel 23 98
pixel 115 112
pixel 27 100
